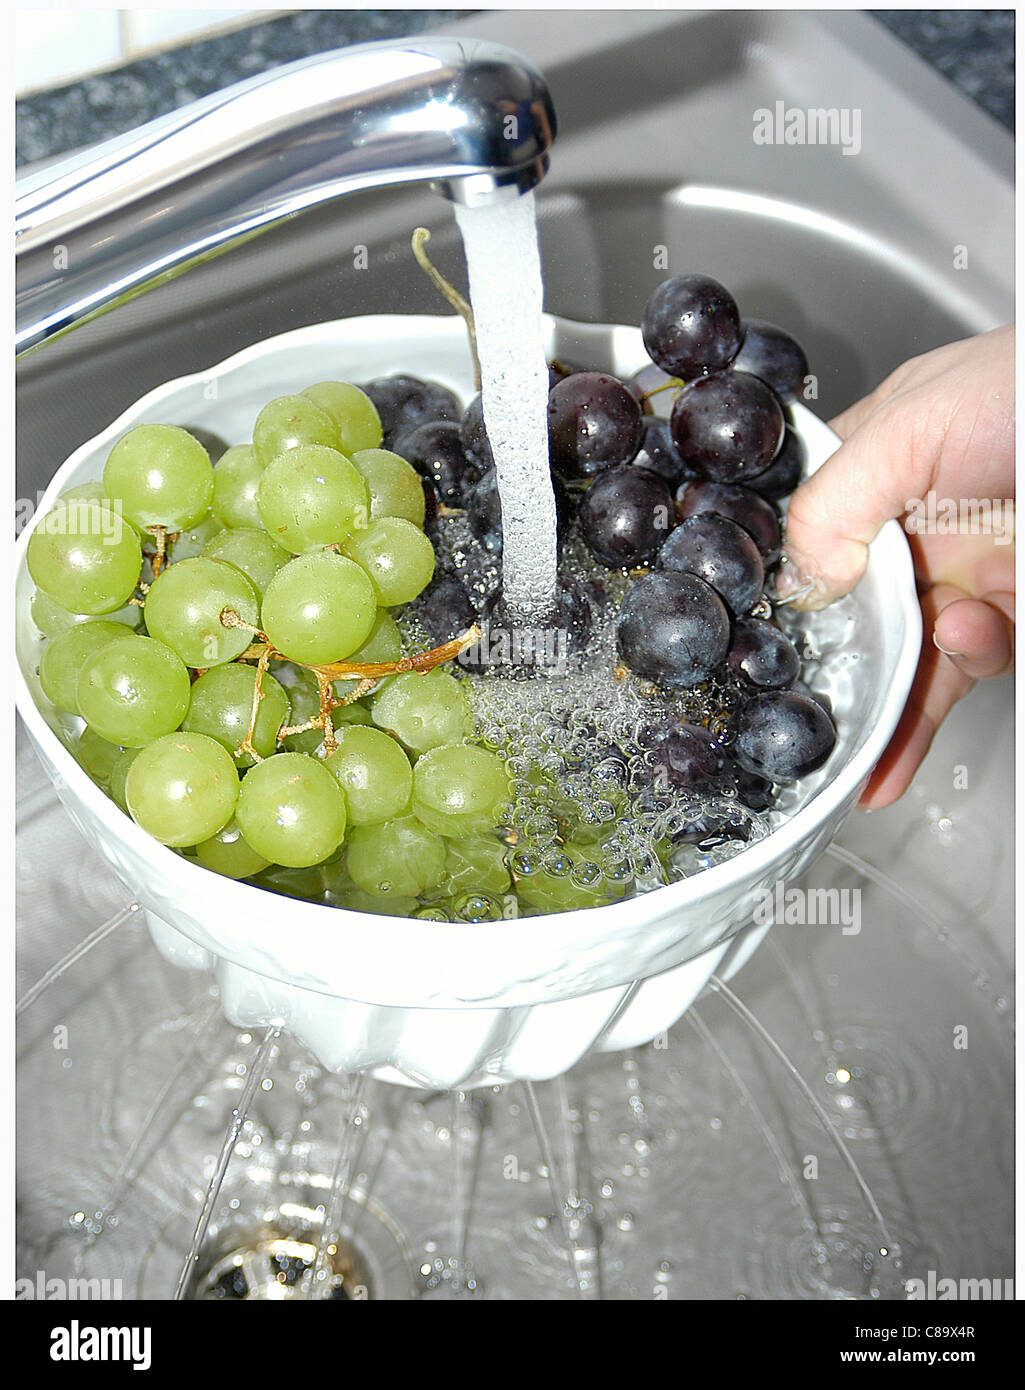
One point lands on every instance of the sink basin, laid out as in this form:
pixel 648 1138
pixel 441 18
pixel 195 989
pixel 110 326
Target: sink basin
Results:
pixel 853 253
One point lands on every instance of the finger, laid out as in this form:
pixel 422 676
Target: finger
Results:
pixel 978 635
pixel 938 685
pixel 834 516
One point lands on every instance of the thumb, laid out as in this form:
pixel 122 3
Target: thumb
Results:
pixel 832 518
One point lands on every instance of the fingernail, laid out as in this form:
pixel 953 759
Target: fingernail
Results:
pixel 940 647
pixel 794 586
pixel 792 580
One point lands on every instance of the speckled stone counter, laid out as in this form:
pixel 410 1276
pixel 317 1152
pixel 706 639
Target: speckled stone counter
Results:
pixel 972 48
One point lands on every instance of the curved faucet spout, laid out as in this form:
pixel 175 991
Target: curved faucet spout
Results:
pixel 473 119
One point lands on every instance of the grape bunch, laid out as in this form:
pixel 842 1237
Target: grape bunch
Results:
pixel 226 634
pixel 688 505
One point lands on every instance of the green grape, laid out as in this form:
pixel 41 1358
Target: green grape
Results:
pixel 564 892
pixel 182 788
pixel 384 644
pixel 63 658
pixel 96 756
pixel 374 773
pixel 188 544
pixel 85 557
pixel 161 476
pixel 396 488
pixel 87 492
pixel 477 865
pixel 305 884
pixel 312 496
pixel 51 619
pixel 292 810
pixel 119 776
pixel 133 691
pixel 359 425
pixel 249 550
pixel 398 557
pixel 460 790
pixel 289 422
pixel 355 899
pixel 237 477
pixel 184 606
pixel 319 608
pixel 397 858
pixel 212 443
pixel 424 711
pixel 355 713
pixel 474 906
pixel 227 853
pixel 222 705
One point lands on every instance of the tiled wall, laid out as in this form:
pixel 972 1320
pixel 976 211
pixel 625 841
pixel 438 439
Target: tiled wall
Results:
pixel 55 46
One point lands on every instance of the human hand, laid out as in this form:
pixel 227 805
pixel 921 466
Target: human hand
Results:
pixel 941 424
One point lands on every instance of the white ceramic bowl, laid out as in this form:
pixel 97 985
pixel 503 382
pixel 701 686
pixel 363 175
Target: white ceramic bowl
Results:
pixel 435 1003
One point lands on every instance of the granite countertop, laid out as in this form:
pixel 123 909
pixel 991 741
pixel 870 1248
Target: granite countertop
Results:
pixel 974 49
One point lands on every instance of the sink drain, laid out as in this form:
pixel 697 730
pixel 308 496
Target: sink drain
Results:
pixel 266 1250
pixel 273 1262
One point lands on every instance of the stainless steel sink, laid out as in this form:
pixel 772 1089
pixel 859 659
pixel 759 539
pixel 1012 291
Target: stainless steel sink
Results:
pixel 856 254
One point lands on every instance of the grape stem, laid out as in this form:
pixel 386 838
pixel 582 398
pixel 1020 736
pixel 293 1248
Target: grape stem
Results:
pixel 160 535
pixel 673 384
pixel 366 673
pixel 421 236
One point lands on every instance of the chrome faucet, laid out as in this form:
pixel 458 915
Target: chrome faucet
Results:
pixel 472 118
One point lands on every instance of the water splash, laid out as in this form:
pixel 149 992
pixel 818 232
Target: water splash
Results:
pixel 257 1070
pixel 74 955
pixel 578 1227
pixel 504 268
pixel 744 1013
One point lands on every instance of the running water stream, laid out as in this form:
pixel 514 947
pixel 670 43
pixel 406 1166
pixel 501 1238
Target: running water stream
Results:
pixel 504 268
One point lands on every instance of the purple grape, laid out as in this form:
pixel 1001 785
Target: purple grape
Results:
pixel 753 791
pixel 673 629
pixel 721 553
pixel 444 609
pixel 785 471
pixel 728 426
pixel 773 356
pixel 691 326
pixel 782 735
pixel 710 830
pixel 763 656
pixel 687 757
pixel 657 453
pixel 484 510
pixel 800 688
pixel 593 423
pixel 558 370
pixel 404 402
pixel 742 505
pixel 436 452
pixel 625 516
pixel 473 437
pixel 431 505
